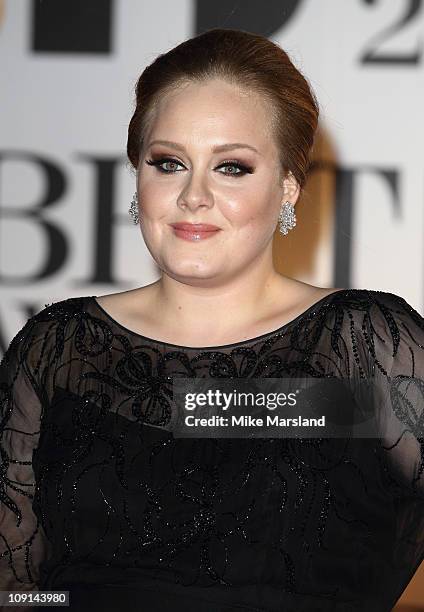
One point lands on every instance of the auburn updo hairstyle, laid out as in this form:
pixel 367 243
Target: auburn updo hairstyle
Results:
pixel 249 61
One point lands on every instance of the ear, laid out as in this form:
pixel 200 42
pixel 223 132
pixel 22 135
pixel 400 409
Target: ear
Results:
pixel 291 188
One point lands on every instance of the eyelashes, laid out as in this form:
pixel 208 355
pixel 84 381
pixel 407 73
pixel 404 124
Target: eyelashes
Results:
pixel 243 169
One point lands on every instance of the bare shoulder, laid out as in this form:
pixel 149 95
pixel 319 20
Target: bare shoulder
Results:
pixel 125 297
pixel 311 295
pixel 288 299
pixel 317 293
pixel 125 305
pixel 307 295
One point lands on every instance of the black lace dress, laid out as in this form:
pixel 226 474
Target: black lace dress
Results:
pixel 97 497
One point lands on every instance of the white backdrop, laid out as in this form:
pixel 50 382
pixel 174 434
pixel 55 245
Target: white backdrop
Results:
pixel 65 188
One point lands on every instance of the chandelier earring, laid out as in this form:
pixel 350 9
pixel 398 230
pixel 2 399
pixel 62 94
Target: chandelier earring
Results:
pixel 287 218
pixel 133 209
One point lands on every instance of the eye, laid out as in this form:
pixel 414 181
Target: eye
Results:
pixel 234 164
pixel 163 160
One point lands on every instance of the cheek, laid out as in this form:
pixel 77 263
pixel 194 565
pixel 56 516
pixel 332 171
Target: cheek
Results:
pixel 253 212
pixel 155 203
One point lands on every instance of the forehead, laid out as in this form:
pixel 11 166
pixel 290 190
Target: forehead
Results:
pixel 214 110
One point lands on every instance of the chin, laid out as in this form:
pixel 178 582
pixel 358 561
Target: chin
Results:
pixel 191 272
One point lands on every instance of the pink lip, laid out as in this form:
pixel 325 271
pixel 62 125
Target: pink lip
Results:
pixel 194 231
pixel 191 227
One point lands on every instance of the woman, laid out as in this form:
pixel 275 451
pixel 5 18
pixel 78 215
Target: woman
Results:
pixel 116 509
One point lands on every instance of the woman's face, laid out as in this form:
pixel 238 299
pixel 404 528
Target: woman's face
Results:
pixel 237 190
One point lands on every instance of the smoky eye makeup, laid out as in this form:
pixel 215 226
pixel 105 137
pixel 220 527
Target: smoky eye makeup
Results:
pixel 240 168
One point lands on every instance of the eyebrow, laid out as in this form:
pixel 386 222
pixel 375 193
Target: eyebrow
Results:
pixel 217 149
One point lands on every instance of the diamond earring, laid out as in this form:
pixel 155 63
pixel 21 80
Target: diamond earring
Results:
pixel 133 209
pixel 287 218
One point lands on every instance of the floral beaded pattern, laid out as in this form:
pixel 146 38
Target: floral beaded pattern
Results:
pixel 91 476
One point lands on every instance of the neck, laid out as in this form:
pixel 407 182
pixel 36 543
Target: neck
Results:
pixel 225 305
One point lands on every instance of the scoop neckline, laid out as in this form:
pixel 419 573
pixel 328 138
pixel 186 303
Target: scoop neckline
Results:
pixel 255 339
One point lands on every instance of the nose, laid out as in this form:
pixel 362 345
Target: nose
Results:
pixel 195 194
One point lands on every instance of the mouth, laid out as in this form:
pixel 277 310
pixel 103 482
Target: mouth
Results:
pixel 194 231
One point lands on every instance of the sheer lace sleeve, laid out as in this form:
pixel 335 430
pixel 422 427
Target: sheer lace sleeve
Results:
pixel 394 331
pixel 23 544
